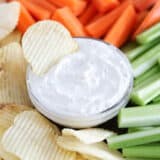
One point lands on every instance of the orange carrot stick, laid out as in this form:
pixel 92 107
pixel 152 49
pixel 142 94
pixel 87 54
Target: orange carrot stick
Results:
pixel 142 5
pixel 45 4
pixel 38 12
pixel 105 5
pixel 140 18
pixel 122 28
pixel 152 18
pixel 99 27
pixel 96 17
pixel 88 14
pixel 77 6
pixel 25 20
pixel 70 21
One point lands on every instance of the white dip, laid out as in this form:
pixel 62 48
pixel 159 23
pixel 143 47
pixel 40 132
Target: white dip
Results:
pixel 85 83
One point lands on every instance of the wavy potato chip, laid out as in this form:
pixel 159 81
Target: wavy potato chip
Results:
pixel 15 36
pixel 12 75
pixel 80 157
pixel 9 16
pixel 33 137
pixel 98 150
pixel 7 115
pixel 88 136
pixel 86 157
pixel 45 43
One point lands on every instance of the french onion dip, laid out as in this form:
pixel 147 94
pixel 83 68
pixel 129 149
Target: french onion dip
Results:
pixel 86 83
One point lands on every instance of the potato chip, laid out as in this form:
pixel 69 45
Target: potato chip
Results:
pixel 12 75
pixel 9 16
pixel 7 115
pixel 33 137
pixel 45 43
pixel 98 150
pixel 89 136
pixel 87 157
pixel 80 157
pixel 15 36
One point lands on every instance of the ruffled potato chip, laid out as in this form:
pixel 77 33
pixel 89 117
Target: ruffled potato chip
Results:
pixel 98 150
pixel 12 75
pixel 33 137
pixel 89 136
pixel 45 43
pixel 15 36
pixel 7 115
pixel 9 16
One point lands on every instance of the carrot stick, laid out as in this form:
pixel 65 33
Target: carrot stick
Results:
pixel 96 17
pixel 142 5
pixel 77 6
pixel 152 18
pixel 38 12
pixel 88 14
pixel 25 20
pixel 45 4
pixel 105 5
pixel 122 28
pixel 140 18
pixel 70 21
pixel 99 27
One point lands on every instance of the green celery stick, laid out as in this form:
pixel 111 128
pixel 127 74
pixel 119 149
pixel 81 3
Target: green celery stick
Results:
pixel 129 46
pixel 139 116
pixel 145 82
pixel 157 99
pixel 147 92
pixel 143 151
pixel 148 74
pixel 138 51
pixel 159 60
pixel 146 61
pixel 140 159
pixel 149 35
pixel 134 139
pixel 136 129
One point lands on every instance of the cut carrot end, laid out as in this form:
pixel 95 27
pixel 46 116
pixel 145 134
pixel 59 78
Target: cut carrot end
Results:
pixel 77 6
pixel 88 14
pixel 36 11
pixel 122 28
pixel 45 4
pixel 70 21
pixel 105 5
pixel 100 26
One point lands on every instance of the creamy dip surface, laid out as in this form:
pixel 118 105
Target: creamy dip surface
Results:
pixel 88 82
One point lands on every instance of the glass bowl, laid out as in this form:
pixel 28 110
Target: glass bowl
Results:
pixel 83 121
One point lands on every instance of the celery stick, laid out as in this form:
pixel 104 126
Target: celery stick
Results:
pixel 146 61
pixel 141 159
pixel 146 93
pixel 135 138
pixel 147 81
pixel 129 46
pixel 143 151
pixel 139 116
pixel 149 35
pixel 154 70
pixel 157 99
pixel 138 51
pixel 136 129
